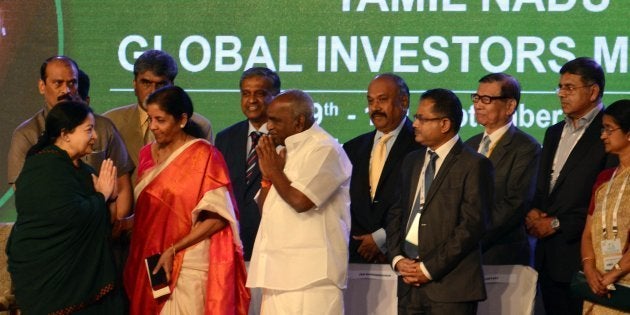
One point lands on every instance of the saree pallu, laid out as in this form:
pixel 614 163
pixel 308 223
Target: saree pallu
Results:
pixel 59 254
pixel 169 196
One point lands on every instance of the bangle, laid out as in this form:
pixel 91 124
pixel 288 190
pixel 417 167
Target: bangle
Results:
pixel 585 259
pixel 265 183
pixel 174 251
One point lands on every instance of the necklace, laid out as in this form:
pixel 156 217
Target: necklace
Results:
pixel 162 153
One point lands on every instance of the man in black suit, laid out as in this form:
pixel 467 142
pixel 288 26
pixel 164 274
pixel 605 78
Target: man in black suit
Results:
pixel 434 229
pixel 514 155
pixel 571 158
pixel 388 102
pixel 237 144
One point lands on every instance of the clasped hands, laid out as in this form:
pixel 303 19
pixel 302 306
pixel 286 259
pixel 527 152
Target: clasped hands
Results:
pixel 598 281
pixel 411 272
pixel 538 223
pixel 270 162
pixel 107 181
pixel 368 249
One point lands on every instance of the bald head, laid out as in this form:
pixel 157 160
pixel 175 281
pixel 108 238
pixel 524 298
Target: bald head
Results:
pixel 290 113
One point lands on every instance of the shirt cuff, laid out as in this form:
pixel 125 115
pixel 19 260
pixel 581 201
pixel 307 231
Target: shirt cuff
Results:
pixel 395 261
pixel 379 238
pixel 425 271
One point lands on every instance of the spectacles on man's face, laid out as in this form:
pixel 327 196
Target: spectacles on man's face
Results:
pixel 608 131
pixel 423 120
pixel 570 89
pixel 486 99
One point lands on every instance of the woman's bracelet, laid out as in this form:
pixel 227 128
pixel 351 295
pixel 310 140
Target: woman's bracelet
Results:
pixel 174 251
pixel 585 259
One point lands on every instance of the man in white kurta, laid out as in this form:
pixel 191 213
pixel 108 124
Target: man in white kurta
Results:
pixel 300 256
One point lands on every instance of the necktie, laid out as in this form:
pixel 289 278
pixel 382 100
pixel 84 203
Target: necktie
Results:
pixel 252 157
pixel 429 173
pixel 378 161
pixel 148 135
pixel 411 249
pixel 484 146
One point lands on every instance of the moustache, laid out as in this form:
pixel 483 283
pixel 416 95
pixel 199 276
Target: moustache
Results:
pixel 65 97
pixel 378 113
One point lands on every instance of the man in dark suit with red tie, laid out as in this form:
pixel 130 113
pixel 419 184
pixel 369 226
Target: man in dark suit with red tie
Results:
pixel 571 158
pixel 373 189
pixel 237 143
pixel 434 229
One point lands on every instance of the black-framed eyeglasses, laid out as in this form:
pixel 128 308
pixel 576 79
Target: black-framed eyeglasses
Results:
pixel 423 120
pixel 486 99
pixel 609 131
pixel 570 89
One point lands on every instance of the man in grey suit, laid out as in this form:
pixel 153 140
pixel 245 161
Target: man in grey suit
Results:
pixel 571 158
pixel 434 229
pixel 388 102
pixel 152 70
pixel 238 142
pixel 514 155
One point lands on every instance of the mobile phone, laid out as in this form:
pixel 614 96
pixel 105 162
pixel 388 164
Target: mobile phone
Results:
pixel 159 284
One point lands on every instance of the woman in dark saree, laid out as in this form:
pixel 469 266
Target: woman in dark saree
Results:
pixel 59 254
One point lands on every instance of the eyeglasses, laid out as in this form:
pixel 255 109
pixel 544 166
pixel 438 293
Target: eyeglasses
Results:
pixel 423 120
pixel 609 131
pixel 486 99
pixel 570 89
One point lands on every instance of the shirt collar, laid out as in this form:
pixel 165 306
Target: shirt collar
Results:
pixel 497 134
pixel 585 120
pixel 263 128
pixel 142 114
pixel 295 140
pixel 445 148
pixel 394 132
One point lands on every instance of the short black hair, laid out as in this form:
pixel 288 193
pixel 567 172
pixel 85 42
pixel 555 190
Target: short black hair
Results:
pixel 447 105
pixel 84 85
pixel 64 59
pixel 158 62
pixel 620 113
pixel 587 68
pixel 510 87
pixel 266 73
pixel 403 89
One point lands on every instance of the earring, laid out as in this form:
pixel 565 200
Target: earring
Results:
pixel 181 126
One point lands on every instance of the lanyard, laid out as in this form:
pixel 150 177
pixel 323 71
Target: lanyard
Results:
pixel 617 203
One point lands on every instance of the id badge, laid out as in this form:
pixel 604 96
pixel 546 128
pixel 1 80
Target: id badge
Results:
pixel 412 235
pixel 611 252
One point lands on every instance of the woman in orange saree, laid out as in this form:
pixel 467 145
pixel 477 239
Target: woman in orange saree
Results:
pixel 185 212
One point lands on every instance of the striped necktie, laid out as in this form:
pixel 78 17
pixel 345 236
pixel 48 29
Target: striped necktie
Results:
pixel 252 157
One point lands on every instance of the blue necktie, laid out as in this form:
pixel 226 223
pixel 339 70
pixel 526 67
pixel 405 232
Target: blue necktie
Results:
pixel 410 249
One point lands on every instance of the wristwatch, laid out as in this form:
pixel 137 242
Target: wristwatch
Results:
pixel 555 224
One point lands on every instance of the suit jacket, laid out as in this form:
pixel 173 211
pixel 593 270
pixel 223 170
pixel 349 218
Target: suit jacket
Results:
pixel 127 120
pixel 515 159
pixel 558 255
pixel 370 215
pixel 232 142
pixel 451 226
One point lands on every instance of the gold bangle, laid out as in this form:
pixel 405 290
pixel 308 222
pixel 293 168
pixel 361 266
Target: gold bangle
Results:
pixel 174 251
pixel 585 259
